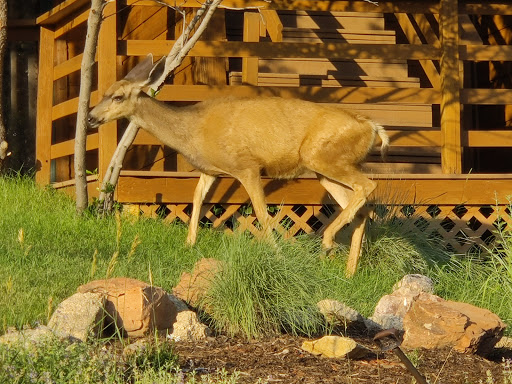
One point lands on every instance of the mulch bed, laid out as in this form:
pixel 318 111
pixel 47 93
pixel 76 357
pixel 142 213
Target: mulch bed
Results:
pixel 281 360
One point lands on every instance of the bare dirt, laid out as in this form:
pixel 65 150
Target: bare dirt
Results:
pixel 281 360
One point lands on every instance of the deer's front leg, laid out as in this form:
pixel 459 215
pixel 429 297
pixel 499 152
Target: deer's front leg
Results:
pixel 202 188
pixel 252 183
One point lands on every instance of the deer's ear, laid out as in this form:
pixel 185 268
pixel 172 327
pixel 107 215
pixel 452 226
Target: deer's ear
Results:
pixel 140 73
pixel 157 71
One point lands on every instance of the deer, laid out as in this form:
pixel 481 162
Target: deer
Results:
pixel 245 137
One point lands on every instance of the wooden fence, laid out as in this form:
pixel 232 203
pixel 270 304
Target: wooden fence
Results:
pixel 435 73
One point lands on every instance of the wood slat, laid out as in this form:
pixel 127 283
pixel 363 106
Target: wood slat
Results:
pixel 331 95
pixel 67 67
pixel 486 96
pixel 61 11
pixel 493 139
pixel 425 6
pixel 73 23
pixel 451 157
pixel 284 50
pixel 70 106
pixel 44 106
pixel 107 74
pixel 67 148
pixel 424 189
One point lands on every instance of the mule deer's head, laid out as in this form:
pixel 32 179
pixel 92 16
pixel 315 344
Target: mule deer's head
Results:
pixel 120 100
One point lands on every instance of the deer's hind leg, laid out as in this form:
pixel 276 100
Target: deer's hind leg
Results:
pixel 352 202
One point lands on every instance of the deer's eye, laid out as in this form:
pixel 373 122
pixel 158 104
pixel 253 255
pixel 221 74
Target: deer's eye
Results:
pixel 117 99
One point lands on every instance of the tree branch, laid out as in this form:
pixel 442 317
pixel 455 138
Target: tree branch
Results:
pixel 86 74
pixel 178 52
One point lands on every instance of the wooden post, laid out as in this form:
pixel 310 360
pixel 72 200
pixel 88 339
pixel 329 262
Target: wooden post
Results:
pixel 451 130
pixel 107 75
pixel 44 106
pixel 251 34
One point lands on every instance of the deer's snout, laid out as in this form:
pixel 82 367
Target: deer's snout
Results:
pixel 93 121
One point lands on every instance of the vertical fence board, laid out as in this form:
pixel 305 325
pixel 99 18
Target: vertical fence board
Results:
pixel 251 34
pixel 44 106
pixel 107 74
pixel 451 149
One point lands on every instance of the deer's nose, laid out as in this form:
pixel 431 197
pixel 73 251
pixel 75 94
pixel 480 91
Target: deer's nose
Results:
pixel 92 121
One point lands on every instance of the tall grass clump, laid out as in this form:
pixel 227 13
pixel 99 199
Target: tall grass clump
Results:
pixel 393 243
pixel 263 290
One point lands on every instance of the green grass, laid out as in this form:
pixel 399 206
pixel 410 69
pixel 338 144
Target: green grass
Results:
pixel 47 251
pixel 61 362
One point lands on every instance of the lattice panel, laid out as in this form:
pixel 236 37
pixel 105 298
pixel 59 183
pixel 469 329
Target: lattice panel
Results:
pixel 459 227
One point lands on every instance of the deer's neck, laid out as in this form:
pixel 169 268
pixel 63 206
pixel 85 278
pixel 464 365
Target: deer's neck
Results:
pixel 173 126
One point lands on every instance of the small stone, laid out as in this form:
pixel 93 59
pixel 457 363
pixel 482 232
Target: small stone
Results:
pixel 335 347
pixel 338 314
pixel 188 328
pixel 136 348
pixel 414 284
pixel 27 337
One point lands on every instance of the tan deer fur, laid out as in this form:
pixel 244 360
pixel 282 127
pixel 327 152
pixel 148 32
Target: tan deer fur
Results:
pixel 245 137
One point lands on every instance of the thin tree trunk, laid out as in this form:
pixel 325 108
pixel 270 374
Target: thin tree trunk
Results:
pixel 178 52
pixel 91 42
pixel 3 47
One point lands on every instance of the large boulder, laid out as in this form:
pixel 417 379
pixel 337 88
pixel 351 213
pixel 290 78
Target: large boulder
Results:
pixel 193 287
pixel 135 307
pixel 440 323
pixel 79 317
pixel 391 309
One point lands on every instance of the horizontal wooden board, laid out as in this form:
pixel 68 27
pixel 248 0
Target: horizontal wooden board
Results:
pixel 347 95
pixel 67 67
pixel 486 96
pixel 284 50
pixel 332 20
pixel 493 139
pixel 418 189
pixel 69 107
pixel 61 11
pixel 67 148
pixel 76 21
pixel 295 80
pixel 354 68
pixel 430 6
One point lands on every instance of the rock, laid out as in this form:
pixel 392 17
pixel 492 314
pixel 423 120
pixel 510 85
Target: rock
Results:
pixel 441 323
pixel 188 328
pixel 504 342
pixel 340 315
pixel 414 284
pixel 79 317
pixel 136 308
pixel 136 348
pixel 335 346
pixel 391 309
pixel 192 287
pixel 27 337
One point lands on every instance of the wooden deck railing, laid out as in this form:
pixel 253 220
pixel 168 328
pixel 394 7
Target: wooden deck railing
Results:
pixel 432 111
